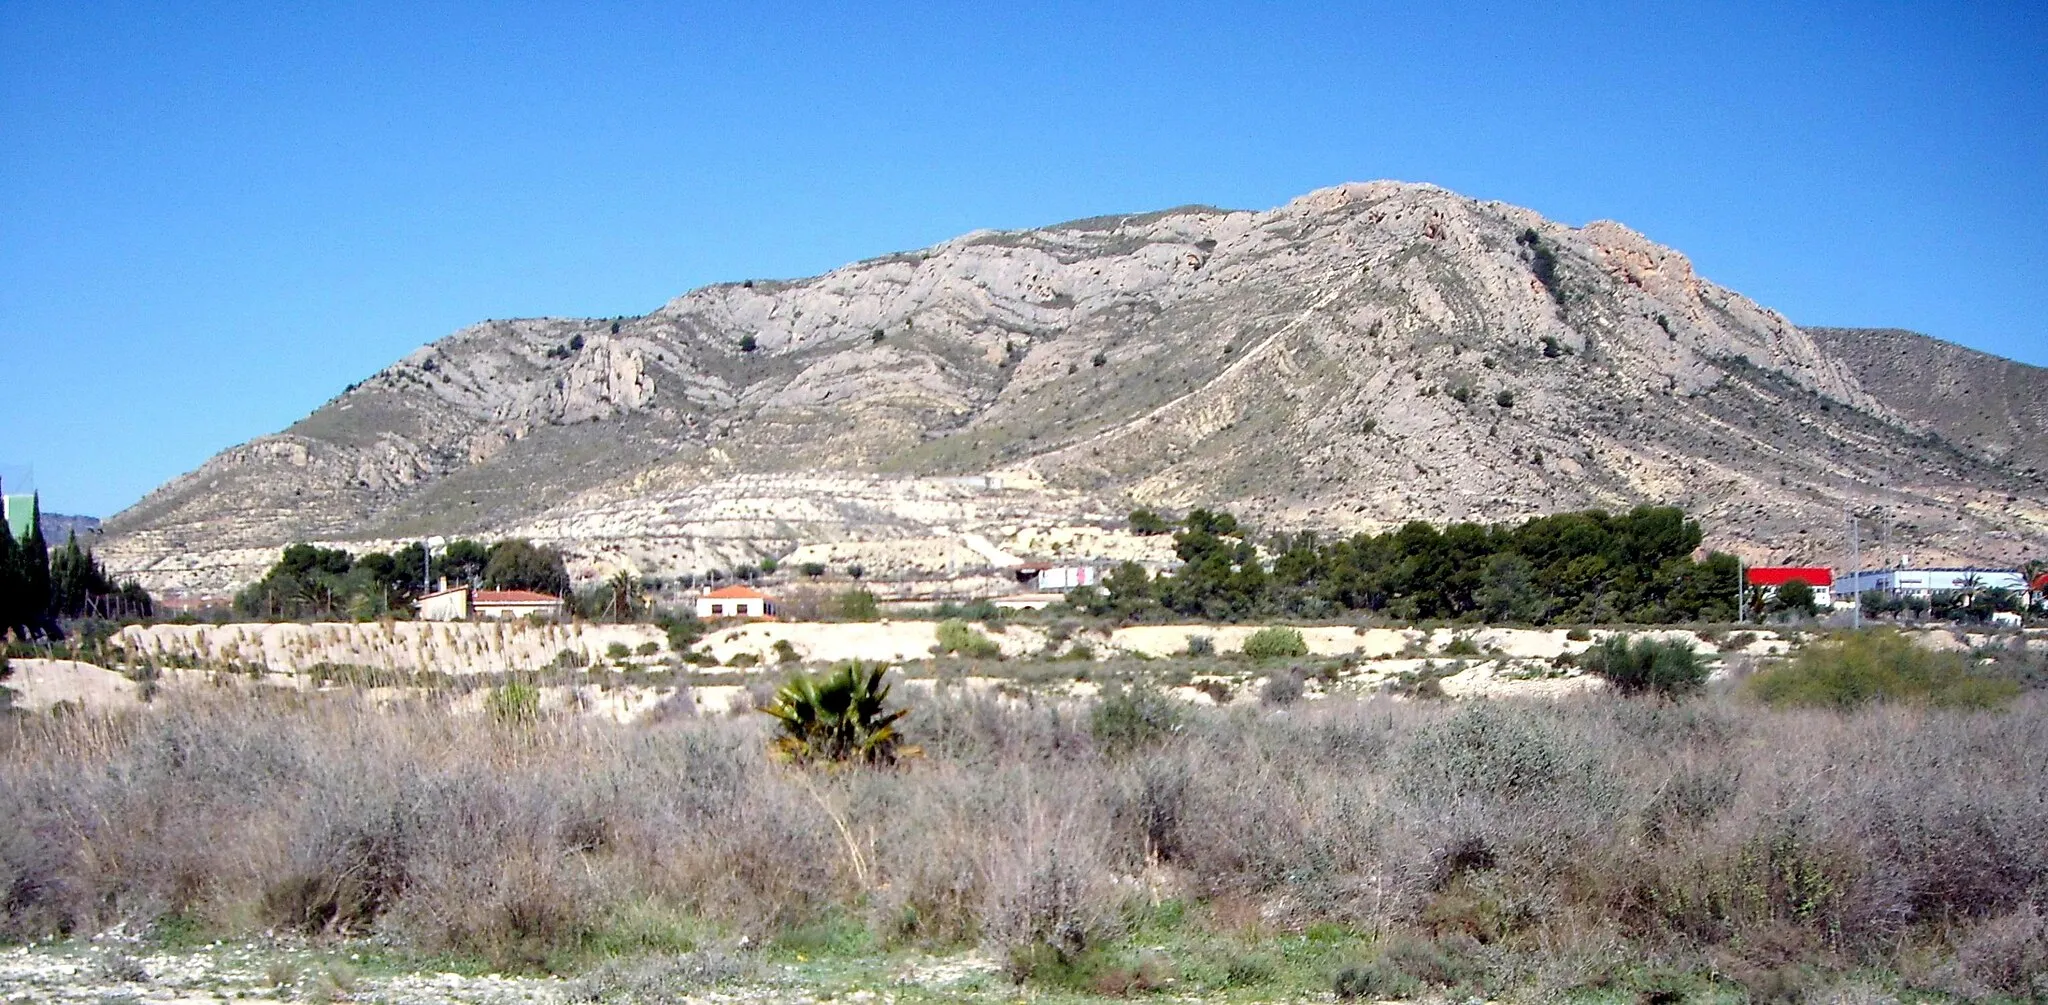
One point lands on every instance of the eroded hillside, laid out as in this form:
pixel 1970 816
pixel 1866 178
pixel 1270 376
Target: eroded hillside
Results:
pixel 1361 356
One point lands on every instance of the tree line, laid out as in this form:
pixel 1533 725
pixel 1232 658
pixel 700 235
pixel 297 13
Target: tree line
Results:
pixel 309 582
pixel 1591 566
pixel 39 591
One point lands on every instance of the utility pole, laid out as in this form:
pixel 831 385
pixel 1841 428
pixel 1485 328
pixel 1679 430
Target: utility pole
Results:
pixel 1856 567
pixel 1741 593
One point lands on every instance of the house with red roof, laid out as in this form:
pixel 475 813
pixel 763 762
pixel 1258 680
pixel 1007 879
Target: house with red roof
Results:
pixel 735 601
pixel 463 603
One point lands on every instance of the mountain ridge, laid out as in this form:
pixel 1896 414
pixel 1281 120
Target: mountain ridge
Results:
pixel 1362 355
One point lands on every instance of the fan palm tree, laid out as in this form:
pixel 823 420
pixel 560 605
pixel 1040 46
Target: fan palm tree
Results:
pixel 625 597
pixel 839 717
pixel 1968 587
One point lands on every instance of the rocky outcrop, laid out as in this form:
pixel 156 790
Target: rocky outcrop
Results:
pixel 1361 356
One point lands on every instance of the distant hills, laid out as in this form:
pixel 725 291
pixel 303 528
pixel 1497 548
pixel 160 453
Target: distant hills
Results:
pixel 1362 356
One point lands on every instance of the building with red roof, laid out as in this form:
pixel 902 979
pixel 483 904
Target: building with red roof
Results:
pixel 1770 577
pixel 734 602
pixel 462 603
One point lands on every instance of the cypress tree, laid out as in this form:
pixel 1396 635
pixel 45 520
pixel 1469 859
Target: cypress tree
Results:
pixel 13 588
pixel 75 580
pixel 35 568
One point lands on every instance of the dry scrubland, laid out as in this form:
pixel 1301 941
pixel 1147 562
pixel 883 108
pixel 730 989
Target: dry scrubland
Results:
pixel 1591 844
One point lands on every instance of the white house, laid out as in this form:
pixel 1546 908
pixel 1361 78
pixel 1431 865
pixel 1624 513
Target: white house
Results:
pixel 445 604
pixel 734 602
pixel 461 603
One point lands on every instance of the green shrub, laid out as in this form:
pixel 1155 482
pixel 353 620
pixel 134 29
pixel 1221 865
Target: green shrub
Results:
pixel 1373 982
pixel 513 702
pixel 859 605
pixel 617 651
pixel 1131 717
pixel 1579 635
pixel 571 659
pixel 743 660
pixel 1276 643
pixel 1641 666
pixel 785 653
pixel 960 638
pixel 842 716
pixel 1487 750
pixel 1462 646
pixel 1201 645
pixel 647 649
pixel 1878 664
pixel 683 631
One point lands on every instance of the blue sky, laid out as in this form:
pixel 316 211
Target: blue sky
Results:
pixel 215 217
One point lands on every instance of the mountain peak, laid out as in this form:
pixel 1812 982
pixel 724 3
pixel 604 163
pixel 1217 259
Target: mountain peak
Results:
pixel 1366 354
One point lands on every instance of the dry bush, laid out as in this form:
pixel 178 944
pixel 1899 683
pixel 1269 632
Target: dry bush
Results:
pixel 1583 830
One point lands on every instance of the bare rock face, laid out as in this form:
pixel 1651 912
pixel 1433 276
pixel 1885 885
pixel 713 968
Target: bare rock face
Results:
pixel 1364 355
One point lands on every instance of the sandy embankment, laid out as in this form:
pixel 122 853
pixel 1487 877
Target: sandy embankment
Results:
pixel 39 685
pixel 1495 661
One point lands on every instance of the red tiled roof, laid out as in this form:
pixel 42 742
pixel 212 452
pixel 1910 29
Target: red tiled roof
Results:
pixel 736 593
pixel 2040 584
pixel 515 597
pixel 1779 575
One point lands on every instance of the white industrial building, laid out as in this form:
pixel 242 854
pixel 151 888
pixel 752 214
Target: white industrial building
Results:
pixel 1924 583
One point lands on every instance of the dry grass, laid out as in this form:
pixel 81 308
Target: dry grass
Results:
pixel 1513 840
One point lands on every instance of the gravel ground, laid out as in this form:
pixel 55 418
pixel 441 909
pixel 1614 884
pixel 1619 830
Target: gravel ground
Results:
pixel 112 973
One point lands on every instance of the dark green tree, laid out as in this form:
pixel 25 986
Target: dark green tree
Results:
pixel 77 582
pixel 13 586
pixel 1507 589
pixel 519 564
pixel 1795 597
pixel 25 579
pixel 462 562
pixel 1148 523
pixel 1129 589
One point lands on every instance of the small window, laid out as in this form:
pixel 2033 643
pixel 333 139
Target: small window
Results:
pixel 717 609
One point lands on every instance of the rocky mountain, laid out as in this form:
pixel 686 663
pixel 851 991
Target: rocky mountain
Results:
pixel 1986 404
pixel 1362 356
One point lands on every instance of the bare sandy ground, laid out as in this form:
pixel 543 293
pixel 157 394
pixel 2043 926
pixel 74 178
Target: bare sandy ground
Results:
pixel 40 684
